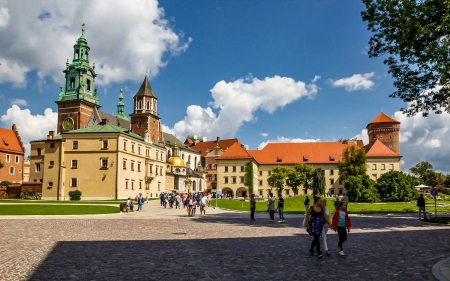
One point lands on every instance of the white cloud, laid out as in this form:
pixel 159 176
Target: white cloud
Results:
pixel 236 103
pixel 264 135
pixel 363 136
pixel 126 38
pixel 19 102
pixel 168 130
pixel 30 127
pixel 316 78
pixel 284 139
pixel 355 82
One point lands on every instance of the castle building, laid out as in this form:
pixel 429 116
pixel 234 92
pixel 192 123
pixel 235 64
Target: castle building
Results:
pixel 12 153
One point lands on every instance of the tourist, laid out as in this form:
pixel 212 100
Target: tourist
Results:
pixel 252 207
pixel 281 207
pixel 345 200
pixel 421 205
pixel 336 203
pixel 177 201
pixel 314 218
pixel 161 199
pixel 271 207
pixel 306 203
pixel 140 201
pixel 190 205
pixel 203 203
pixel 326 226
pixel 341 223
pixel 128 204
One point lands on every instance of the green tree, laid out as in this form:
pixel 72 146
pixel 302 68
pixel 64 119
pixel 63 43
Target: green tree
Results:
pixel 353 162
pixel 446 182
pixel 249 177
pixel 361 189
pixel 294 179
pixel 306 171
pixel 318 186
pixel 277 177
pixel 75 195
pixel 1 164
pixel 397 186
pixel 415 34
pixel 5 183
pixel 422 171
pixel 435 178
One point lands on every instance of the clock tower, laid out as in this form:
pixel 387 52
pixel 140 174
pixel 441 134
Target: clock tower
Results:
pixel 77 98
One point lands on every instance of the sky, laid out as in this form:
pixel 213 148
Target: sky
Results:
pixel 261 71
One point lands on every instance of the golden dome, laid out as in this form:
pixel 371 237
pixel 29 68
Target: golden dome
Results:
pixel 177 161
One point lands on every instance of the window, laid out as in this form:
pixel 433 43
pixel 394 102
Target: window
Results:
pixel 157 155
pixel 242 168
pixel 260 182
pixel 139 149
pixel 331 172
pixel 74 164
pixel 72 81
pixel 73 182
pixel 124 164
pixel 50 184
pixel 160 171
pixel 147 105
pixel 147 152
pixel 260 173
pixel 132 185
pixel 105 144
pixel 268 173
pixel 52 163
pixel 132 148
pixel 140 184
pixel 374 176
pixel 226 179
pixel 260 193
pixel 139 123
pixel 374 166
pixel 287 191
pixel 104 163
pixel 241 179
pixel 159 186
pixel 126 184
pixel 75 145
pixel 140 104
pixel 151 169
pixel 11 170
pixel 124 145
pixel 8 158
pixel 234 179
pixel 156 168
pixel 39 151
pixel 390 146
pixel 88 85
pixel 383 167
pixel 139 167
pixel 331 181
pixel 132 165
pixel 341 181
pixel 332 191
pixel 391 167
pixel 234 168
pixel 37 168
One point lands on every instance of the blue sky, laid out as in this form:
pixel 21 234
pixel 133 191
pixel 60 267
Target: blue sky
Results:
pixel 245 69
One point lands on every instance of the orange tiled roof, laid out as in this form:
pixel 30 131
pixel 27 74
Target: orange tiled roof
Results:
pixel 383 118
pixel 9 142
pixel 302 152
pixel 203 146
pixel 235 151
pixel 379 149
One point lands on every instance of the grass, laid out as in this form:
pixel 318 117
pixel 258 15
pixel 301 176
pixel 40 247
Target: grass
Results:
pixel 99 202
pixel 40 209
pixel 295 205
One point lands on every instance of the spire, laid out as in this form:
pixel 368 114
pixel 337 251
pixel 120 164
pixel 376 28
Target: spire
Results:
pixel 146 89
pixel 121 106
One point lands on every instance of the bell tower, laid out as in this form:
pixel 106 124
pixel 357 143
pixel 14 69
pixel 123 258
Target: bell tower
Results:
pixel 385 129
pixel 145 116
pixel 77 99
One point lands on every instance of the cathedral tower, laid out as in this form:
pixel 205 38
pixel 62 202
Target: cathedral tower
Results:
pixel 145 116
pixel 78 98
pixel 121 107
pixel 386 129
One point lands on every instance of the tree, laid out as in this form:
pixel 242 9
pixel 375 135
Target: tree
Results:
pixel 397 186
pixel 318 186
pixel 307 171
pixel 353 162
pixel 294 179
pixel 249 177
pixel 5 183
pixel 1 164
pixel 361 189
pixel 446 182
pixel 277 178
pixel 415 34
pixel 422 171
pixel 435 179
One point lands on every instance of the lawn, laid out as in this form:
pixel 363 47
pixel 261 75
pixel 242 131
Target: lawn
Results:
pixel 295 205
pixel 6 201
pixel 40 209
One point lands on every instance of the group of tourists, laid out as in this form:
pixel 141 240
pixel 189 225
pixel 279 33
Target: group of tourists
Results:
pixel 139 200
pixel 190 201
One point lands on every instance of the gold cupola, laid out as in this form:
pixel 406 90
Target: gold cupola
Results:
pixel 176 160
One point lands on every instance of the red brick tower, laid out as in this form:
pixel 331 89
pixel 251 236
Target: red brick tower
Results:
pixel 386 129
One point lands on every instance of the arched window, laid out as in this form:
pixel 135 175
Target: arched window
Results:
pixel 194 186
pixel 148 105
pixel 189 159
pixel 140 104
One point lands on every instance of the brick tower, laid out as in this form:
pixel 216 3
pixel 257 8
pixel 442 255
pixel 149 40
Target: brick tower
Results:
pixel 78 98
pixel 386 129
pixel 145 117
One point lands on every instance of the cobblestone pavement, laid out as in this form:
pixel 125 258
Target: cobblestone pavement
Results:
pixel 164 244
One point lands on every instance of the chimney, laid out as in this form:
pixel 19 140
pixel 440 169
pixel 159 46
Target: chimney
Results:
pixel 218 138
pixel 51 135
pixel 104 121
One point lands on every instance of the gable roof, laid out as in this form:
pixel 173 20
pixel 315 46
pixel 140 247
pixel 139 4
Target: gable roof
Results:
pixel 223 144
pixel 146 89
pixel 114 120
pixel 107 128
pixel 10 141
pixel 379 149
pixel 169 140
pixel 302 152
pixel 383 118
pixel 235 151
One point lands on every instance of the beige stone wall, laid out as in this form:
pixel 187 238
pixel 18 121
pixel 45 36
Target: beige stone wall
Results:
pixel 35 175
pixel 378 166
pixel 235 183
pixel 51 184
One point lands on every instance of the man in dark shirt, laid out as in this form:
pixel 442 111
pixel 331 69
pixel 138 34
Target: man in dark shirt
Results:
pixel 306 204
pixel 421 205
pixel 281 207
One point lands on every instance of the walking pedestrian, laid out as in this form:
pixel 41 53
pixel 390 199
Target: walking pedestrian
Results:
pixel 345 200
pixel 421 205
pixel 315 224
pixel 140 201
pixel 252 207
pixel 326 226
pixel 341 224
pixel 271 207
pixel 306 203
pixel 203 203
pixel 336 203
pixel 280 207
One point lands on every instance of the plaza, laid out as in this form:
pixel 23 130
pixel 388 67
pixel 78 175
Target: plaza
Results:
pixel 164 244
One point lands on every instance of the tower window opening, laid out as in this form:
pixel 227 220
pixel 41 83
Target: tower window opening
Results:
pixel 139 123
pixel 148 105
pixel 87 56
pixel 76 54
pixel 88 85
pixel 72 82
pixel 139 104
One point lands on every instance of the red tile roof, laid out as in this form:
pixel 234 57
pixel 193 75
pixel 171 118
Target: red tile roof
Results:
pixel 10 141
pixel 203 146
pixel 379 149
pixel 302 152
pixel 236 151
pixel 383 118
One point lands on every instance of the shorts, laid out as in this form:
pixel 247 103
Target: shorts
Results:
pixel 202 208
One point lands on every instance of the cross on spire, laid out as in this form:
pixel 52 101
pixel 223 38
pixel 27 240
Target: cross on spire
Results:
pixel 83 28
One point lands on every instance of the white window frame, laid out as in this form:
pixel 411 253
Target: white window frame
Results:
pixel 17 159
pixel 101 163
pixel 8 158
pixel 103 144
pixel 71 182
pixel 75 144
pixel 37 167
pixel 72 166
pixel 12 169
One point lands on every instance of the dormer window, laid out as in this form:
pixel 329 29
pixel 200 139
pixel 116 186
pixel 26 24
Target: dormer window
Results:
pixel 72 82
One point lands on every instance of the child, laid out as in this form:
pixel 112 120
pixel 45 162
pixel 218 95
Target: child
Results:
pixel 341 223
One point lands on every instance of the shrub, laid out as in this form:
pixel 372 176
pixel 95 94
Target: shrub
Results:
pixel 75 195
